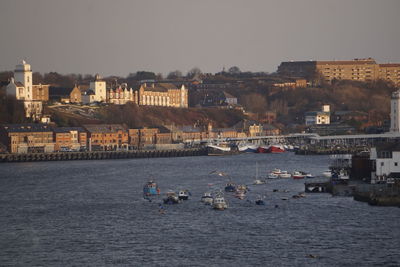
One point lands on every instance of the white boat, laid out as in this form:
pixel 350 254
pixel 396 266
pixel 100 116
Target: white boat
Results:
pixel 273 176
pixel 207 198
pixel 240 194
pixel 277 171
pixel 219 202
pixel 171 198
pixel 247 148
pixel 258 181
pixel 343 175
pixel 285 174
pixel 183 194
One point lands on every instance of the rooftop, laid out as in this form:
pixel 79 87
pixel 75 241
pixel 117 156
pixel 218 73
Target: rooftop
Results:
pixel 26 127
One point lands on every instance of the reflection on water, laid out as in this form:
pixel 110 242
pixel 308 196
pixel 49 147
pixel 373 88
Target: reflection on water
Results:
pixel 92 213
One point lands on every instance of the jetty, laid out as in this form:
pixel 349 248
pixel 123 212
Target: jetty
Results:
pixel 100 155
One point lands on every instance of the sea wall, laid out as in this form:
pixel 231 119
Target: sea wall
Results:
pixel 99 155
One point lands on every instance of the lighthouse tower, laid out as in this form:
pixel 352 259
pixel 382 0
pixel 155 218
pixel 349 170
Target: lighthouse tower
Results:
pixel 23 75
pixel 395 112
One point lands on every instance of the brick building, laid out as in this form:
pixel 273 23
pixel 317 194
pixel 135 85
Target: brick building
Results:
pixel 107 137
pixel 70 139
pixel 27 138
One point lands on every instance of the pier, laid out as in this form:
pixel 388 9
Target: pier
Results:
pixel 100 155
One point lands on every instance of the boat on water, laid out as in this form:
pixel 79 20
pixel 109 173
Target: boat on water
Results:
pixel 276 149
pixel 277 171
pixel 273 176
pixel 183 194
pixel 309 176
pixel 258 181
pixel 263 149
pixel 219 202
pixel 298 175
pixel 171 198
pixel 150 189
pixel 216 150
pixel 247 148
pixel 207 198
pixel 259 201
pixel 285 174
pixel 242 187
pixel 240 194
pixel 230 187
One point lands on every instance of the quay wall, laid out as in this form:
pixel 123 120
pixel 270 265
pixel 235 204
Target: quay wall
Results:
pixel 99 155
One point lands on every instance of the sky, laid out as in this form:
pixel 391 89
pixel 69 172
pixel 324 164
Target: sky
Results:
pixel 118 37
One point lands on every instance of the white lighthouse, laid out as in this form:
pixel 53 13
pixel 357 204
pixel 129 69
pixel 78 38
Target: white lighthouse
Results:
pixel 395 112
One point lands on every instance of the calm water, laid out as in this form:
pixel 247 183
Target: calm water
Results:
pixel 91 213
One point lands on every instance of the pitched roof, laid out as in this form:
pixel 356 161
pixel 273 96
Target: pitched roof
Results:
pixel 159 87
pixel 67 129
pixel 104 128
pixel 26 127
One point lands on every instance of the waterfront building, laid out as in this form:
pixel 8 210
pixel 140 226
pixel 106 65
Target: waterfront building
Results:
pixel 107 137
pixel 318 117
pixel 141 137
pixel 395 112
pixel 22 88
pixel 69 139
pixel 121 95
pixel 385 162
pixel 365 70
pixel 27 137
pixel 162 94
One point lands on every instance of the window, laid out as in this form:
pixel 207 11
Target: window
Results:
pixel 395 164
pixel 382 164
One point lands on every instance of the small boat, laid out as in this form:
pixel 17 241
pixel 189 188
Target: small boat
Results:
pixel 277 171
pixel 230 187
pixel 171 198
pixel 247 148
pixel 217 150
pixel 240 194
pixel 343 175
pixel 150 189
pixel 276 149
pixel 258 182
pixel 219 202
pixel 183 194
pixel 298 175
pixel 285 174
pixel 242 187
pixel 260 201
pixel 309 176
pixel 263 149
pixel 273 176
pixel 207 198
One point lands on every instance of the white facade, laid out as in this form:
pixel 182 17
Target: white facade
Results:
pixel 386 162
pixel 22 89
pixel 99 89
pixel 395 112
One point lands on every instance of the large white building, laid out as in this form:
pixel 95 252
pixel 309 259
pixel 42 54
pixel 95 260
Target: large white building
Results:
pixel 395 112
pixel 386 162
pixel 21 88
pixel 98 86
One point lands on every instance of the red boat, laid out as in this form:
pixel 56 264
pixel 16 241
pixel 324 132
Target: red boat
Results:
pixel 263 149
pixel 276 149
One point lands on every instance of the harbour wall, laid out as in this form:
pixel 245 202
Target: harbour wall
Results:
pixel 100 155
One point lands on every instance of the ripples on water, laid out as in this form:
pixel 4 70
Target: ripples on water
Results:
pixel 91 213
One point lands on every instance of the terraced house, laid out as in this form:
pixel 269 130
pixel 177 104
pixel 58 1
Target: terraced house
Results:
pixel 107 137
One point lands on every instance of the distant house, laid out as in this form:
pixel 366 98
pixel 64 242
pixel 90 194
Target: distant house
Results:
pixel 107 136
pixel 318 117
pixel 88 97
pixel 69 138
pixel 229 99
pixel 75 96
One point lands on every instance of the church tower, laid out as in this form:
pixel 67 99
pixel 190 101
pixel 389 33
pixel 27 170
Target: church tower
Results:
pixel 23 74
pixel 395 112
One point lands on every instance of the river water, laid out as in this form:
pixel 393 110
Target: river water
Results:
pixel 91 213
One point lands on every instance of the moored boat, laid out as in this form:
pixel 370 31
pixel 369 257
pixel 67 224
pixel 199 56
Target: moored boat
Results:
pixel 276 149
pixel 171 198
pixel 285 174
pixel 151 189
pixel 263 149
pixel 247 148
pixel 273 176
pixel 230 187
pixel 207 198
pixel 240 194
pixel 258 182
pixel 219 202
pixel 183 194
pixel 327 174
pixel 298 175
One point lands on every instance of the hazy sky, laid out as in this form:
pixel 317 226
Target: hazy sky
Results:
pixel 119 37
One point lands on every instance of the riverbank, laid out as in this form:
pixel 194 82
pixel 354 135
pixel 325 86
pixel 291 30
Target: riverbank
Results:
pixel 100 155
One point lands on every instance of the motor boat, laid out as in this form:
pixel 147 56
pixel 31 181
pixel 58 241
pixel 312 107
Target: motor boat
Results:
pixel 240 194
pixel 298 175
pixel 171 198
pixel 230 187
pixel 150 189
pixel 273 176
pixel 219 202
pixel 285 174
pixel 183 194
pixel 277 171
pixel 327 174
pixel 258 182
pixel 207 198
